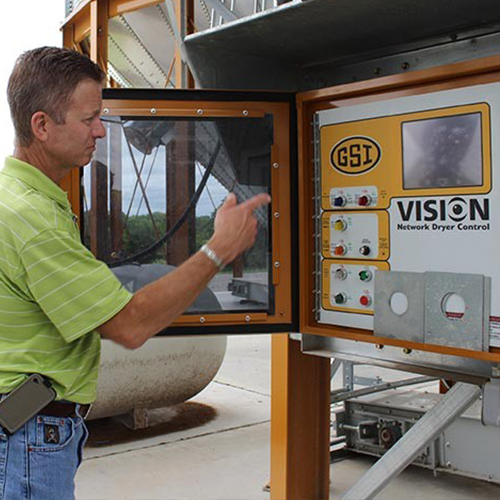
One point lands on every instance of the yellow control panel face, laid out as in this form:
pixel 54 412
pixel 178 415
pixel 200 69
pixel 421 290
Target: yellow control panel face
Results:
pixel 363 164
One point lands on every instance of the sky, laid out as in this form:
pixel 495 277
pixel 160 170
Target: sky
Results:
pixel 26 24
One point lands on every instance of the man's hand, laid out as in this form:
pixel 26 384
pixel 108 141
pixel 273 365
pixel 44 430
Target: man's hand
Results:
pixel 156 305
pixel 235 227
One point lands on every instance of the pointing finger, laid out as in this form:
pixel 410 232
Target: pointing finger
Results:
pixel 230 201
pixel 255 202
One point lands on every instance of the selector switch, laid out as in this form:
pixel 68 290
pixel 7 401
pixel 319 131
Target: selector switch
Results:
pixel 365 275
pixel 364 250
pixel 340 298
pixel 365 300
pixel 340 250
pixel 340 225
pixel 364 200
pixel 340 273
pixel 339 201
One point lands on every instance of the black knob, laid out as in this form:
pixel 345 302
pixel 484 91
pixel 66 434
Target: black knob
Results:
pixel 364 250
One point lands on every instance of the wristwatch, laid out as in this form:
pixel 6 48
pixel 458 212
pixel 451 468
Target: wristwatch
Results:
pixel 213 256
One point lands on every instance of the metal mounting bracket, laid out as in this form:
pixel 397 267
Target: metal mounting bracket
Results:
pixel 410 324
pixel 425 318
pixel 471 331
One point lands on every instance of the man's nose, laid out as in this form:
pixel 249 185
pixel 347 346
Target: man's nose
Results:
pixel 99 130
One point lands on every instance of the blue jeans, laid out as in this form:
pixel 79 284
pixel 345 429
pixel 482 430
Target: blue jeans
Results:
pixel 40 460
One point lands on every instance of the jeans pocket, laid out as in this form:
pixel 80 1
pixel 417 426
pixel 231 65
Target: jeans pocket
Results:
pixel 52 433
pixel 54 456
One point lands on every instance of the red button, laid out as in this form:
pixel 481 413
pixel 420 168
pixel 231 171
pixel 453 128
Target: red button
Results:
pixel 364 201
pixel 365 300
pixel 340 250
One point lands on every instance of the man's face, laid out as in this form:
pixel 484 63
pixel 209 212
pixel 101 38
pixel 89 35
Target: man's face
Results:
pixel 72 143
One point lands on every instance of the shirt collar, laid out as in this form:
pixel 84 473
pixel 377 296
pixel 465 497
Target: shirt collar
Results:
pixel 36 179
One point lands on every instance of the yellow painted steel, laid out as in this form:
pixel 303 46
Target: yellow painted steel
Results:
pixel 355 157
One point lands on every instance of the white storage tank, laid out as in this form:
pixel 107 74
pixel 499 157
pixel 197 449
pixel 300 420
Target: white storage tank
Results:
pixel 165 370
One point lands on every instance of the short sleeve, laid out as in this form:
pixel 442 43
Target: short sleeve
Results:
pixel 76 291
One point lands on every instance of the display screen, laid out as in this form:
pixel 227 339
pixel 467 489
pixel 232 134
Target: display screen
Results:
pixel 151 194
pixel 443 152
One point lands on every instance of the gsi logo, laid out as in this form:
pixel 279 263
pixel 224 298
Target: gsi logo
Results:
pixel 355 155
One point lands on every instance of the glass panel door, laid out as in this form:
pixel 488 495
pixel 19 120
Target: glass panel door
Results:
pixel 157 179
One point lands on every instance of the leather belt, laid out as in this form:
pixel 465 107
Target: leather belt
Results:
pixel 65 409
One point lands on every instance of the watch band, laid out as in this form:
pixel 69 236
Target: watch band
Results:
pixel 212 256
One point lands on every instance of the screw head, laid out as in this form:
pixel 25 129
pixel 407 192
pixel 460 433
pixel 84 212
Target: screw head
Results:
pixel 406 350
pixel 202 320
pixel 153 111
pixel 245 112
pixel 105 111
pixel 200 111
pixel 276 165
pixel 379 346
pixel 247 318
pixel 277 264
pixel 276 215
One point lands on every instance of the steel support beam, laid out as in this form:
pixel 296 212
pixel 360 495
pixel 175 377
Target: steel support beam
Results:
pixel 181 180
pixel 402 454
pixel 99 33
pixel 348 375
pixel 343 395
pixel 99 211
pixel 180 13
pixel 300 423
pixel 227 14
pixel 115 189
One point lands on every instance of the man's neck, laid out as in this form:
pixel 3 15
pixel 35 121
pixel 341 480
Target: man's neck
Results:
pixel 37 158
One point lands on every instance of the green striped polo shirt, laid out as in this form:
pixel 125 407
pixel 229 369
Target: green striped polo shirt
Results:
pixel 53 292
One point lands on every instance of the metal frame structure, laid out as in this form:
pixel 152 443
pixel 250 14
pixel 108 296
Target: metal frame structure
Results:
pixel 406 449
pixel 300 403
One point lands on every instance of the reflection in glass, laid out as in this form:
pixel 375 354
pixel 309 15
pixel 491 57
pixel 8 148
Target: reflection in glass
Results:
pixel 152 191
pixel 443 152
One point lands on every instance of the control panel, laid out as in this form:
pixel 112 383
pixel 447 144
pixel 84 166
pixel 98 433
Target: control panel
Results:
pixel 407 185
pixel 358 197
pixel 355 235
pixel 348 285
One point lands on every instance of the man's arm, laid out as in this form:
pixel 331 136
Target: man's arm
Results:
pixel 156 305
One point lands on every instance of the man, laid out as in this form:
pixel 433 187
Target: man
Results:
pixel 56 299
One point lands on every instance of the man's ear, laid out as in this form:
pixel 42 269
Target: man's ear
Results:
pixel 40 124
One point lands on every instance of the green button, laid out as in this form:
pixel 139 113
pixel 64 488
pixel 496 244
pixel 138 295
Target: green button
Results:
pixel 365 275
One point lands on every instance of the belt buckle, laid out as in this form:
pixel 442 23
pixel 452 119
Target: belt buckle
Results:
pixel 89 407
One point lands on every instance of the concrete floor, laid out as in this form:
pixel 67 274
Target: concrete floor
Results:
pixel 216 447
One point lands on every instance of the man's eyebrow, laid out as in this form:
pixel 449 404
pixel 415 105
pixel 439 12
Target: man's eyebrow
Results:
pixel 94 113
